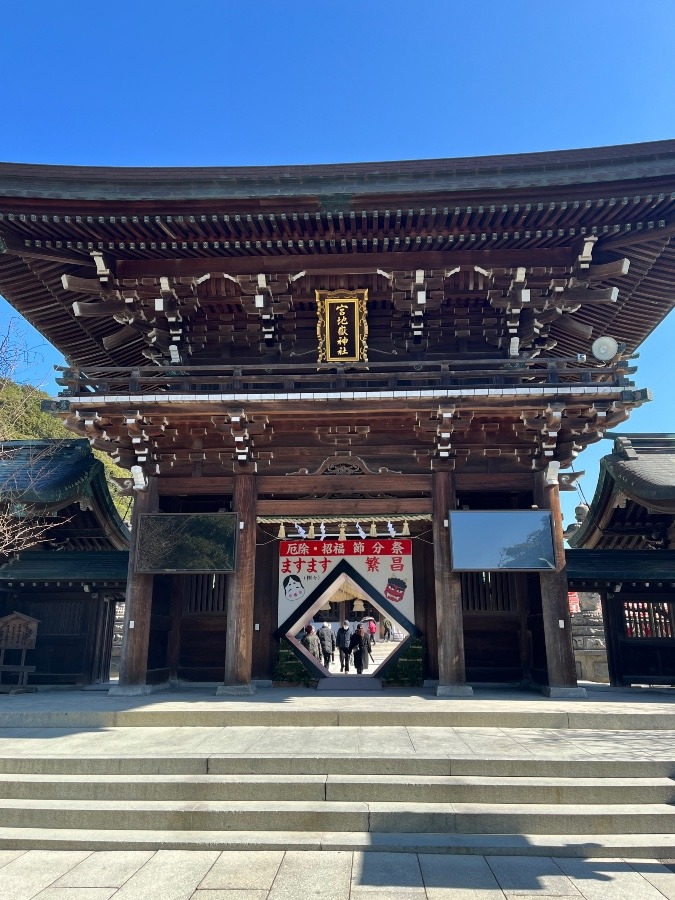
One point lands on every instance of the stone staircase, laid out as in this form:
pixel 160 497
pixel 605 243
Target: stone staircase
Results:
pixel 300 799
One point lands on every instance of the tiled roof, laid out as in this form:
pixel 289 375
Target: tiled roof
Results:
pixel 620 565
pixel 62 566
pixel 46 471
pixel 55 473
pixel 644 466
pixel 639 471
pixel 585 166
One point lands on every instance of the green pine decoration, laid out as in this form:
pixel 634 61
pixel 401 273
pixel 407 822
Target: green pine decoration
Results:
pixel 289 669
pixel 408 670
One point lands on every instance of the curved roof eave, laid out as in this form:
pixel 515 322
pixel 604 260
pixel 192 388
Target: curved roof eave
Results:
pixel 57 473
pixel 647 481
pixel 588 534
pixel 486 173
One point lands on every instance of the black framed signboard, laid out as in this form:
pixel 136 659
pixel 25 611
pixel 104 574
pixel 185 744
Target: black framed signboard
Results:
pixel 497 540
pixel 186 542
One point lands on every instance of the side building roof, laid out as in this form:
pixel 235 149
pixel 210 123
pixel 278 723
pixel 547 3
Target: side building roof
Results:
pixel 47 476
pixel 94 567
pixel 634 502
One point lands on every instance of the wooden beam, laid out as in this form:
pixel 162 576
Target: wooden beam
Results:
pixel 100 309
pixel 345 263
pixel 297 509
pixel 175 487
pixel 504 481
pixel 637 236
pixel 84 285
pixel 314 484
pixel 572 326
pixel 589 296
pixel 604 271
pixel 16 247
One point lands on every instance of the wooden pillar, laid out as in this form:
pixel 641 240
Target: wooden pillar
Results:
pixel 520 592
pixel 562 674
pixel 138 605
pixel 176 613
pixel 610 606
pixel 241 592
pixel 448 588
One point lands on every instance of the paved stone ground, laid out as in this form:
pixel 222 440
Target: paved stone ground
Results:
pixel 279 875
pixel 601 698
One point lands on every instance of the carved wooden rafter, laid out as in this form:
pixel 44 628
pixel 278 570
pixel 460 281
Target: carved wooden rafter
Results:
pixel 431 308
pixel 345 464
pixel 164 312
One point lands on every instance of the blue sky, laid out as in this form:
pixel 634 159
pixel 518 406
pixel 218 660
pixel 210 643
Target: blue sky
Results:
pixel 261 83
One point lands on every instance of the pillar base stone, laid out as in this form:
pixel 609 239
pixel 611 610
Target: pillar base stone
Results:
pixel 136 690
pixel 236 690
pixel 564 693
pixel 454 690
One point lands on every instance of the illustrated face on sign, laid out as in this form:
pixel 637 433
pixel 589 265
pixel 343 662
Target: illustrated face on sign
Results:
pixel 395 590
pixel 293 588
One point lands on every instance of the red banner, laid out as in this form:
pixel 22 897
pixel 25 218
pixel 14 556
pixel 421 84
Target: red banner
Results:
pixel 370 547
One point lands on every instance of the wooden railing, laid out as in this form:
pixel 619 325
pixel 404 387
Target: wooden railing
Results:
pixel 224 379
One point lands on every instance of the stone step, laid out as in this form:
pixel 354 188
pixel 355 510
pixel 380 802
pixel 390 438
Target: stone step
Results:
pixel 455 818
pixel 349 683
pixel 229 714
pixel 645 846
pixel 340 788
pixel 327 764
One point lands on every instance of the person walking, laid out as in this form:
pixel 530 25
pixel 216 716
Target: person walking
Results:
pixel 387 630
pixel 311 642
pixel 343 638
pixel 360 645
pixel 326 637
pixel 372 629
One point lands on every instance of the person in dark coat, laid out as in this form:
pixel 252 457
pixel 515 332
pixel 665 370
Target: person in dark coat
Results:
pixel 327 640
pixel 343 638
pixel 311 642
pixel 360 646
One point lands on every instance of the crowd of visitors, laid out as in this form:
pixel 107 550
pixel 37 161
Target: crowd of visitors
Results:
pixel 353 647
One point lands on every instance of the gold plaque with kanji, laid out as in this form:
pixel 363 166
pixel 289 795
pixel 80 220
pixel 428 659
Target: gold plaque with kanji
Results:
pixel 342 327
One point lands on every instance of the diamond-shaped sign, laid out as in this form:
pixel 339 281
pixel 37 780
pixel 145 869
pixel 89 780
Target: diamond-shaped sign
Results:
pixel 342 574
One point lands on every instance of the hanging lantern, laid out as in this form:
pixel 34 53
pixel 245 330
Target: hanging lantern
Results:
pixel 281 534
pixel 342 536
pixel 405 531
pixel 358 606
pixel 310 533
pixel 373 529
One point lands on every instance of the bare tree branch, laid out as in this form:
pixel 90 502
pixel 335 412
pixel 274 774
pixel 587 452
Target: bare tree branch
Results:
pixel 22 525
